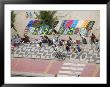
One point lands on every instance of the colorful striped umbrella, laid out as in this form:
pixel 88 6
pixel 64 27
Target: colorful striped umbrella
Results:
pixel 79 25
pixel 69 23
pixel 75 22
pixel 85 23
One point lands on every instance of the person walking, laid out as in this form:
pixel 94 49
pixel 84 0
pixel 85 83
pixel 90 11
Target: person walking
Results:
pixel 84 40
pixel 74 49
pixel 78 49
pixel 55 47
pixel 27 15
pixel 93 37
pixel 67 49
pixel 97 45
pixel 30 14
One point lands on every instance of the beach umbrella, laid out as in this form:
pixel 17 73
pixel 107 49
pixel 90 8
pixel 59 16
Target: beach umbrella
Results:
pixel 75 22
pixel 31 22
pixel 69 23
pixel 85 23
pixel 79 25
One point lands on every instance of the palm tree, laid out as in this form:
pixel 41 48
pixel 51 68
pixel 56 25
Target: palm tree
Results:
pixel 13 15
pixel 47 17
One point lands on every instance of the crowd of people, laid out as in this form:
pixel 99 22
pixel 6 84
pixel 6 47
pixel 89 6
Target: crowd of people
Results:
pixel 57 42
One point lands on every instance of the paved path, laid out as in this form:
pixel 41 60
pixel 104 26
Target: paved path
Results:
pixel 51 68
pixel 23 66
pixel 91 70
pixel 71 68
pixel 88 53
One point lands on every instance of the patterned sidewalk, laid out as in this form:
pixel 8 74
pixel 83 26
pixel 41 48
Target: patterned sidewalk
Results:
pixel 88 53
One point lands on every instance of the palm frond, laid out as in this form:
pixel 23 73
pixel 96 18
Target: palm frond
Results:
pixel 13 15
pixel 48 17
